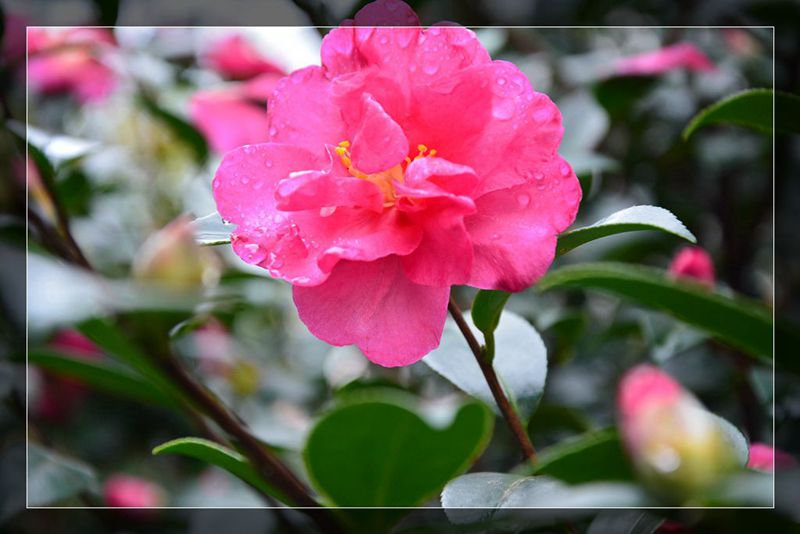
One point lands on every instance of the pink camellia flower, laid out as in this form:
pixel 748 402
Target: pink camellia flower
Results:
pixel 766 458
pixel 234 116
pixel 71 61
pixel 235 58
pixel 694 263
pixel 61 396
pixel 677 56
pixel 407 163
pixel 125 491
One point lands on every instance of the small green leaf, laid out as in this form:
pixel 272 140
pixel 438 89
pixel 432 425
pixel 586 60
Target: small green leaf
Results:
pixel 739 322
pixel 381 454
pixel 212 230
pixel 223 457
pixel 753 109
pixel 635 218
pixel 520 363
pixel 180 127
pixel 486 310
pixel 101 376
pixel 53 478
pixel 589 457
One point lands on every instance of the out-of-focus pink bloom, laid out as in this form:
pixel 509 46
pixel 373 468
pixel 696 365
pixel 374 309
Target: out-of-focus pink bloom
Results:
pixel 214 348
pixel 673 527
pixel 409 162
pixel 125 491
pixel 677 56
pixel 71 61
pixel 61 396
pixel 13 48
pixel 676 446
pixel 234 116
pixel 740 41
pixel 235 58
pixel 765 458
pixel 695 263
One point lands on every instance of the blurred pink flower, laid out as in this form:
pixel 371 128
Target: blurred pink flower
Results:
pixel 765 458
pixel 233 116
pixel 407 163
pixel 125 491
pixel 61 396
pixel 71 61
pixel 677 56
pixel 236 59
pixel 13 48
pixel 695 263
pixel 645 387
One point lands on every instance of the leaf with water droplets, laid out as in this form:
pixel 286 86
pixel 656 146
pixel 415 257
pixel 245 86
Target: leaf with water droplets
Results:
pixel 212 230
pixel 635 218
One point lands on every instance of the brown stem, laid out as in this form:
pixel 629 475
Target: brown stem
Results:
pixel 511 417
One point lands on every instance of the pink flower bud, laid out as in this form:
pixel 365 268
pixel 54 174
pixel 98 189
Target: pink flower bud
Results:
pixel 235 58
pixel 172 258
pixel 124 491
pixel 765 458
pixel 677 447
pixel 693 262
pixel 678 56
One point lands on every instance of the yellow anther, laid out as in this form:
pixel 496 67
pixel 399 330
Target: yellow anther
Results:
pixel 345 144
pixel 432 152
pixel 341 151
pixel 408 159
pixel 422 149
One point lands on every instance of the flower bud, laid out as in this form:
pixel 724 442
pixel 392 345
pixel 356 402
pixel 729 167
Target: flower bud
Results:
pixel 171 257
pixel 125 491
pixel 693 262
pixel 678 448
pixel 766 458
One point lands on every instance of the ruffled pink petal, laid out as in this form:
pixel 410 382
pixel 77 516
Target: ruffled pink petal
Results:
pixel 322 190
pixel 450 177
pixel 515 229
pixel 301 112
pixel 378 143
pixel 227 120
pixel 374 306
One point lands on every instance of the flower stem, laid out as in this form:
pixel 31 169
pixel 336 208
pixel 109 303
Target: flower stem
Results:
pixel 511 417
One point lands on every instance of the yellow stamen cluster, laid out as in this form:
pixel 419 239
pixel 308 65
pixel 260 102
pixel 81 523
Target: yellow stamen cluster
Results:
pixel 422 154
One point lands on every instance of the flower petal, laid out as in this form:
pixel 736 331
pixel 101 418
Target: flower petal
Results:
pixel 515 229
pixel 227 120
pixel 378 143
pixel 320 189
pixel 373 305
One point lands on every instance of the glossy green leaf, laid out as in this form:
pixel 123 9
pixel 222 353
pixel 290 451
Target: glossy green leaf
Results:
pixel 520 363
pixel 220 456
pixel 101 376
pixel 739 322
pixel 752 109
pixel 633 219
pixel 53 478
pixel 499 493
pixel 383 454
pixel 589 457
pixel 212 230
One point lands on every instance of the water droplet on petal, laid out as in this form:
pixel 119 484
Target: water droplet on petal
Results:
pixel 495 237
pixel 245 180
pixel 268 163
pixel 538 176
pixel 523 199
pixel 430 68
pixel 503 109
pixel 383 39
pixel 564 169
pixel 273 131
pixel 276 263
pixel 327 211
pixel 542 115
pixel 501 81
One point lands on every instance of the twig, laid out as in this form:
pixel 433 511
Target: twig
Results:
pixel 511 417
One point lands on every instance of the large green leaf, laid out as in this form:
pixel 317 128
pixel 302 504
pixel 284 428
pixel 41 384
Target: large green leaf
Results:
pixel 635 218
pixel 223 457
pixel 739 322
pixel 102 376
pixel 589 457
pixel 380 453
pixel 753 109
pixel 520 363
pixel 53 478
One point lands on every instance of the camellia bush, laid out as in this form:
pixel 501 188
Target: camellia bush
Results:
pixel 345 273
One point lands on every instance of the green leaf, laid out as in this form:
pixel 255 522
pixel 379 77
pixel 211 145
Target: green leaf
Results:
pixel 520 363
pixel 180 127
pixel 53 478
pixel 101 376
pixel 212 230
pixel 382 454
pixel 223 457
pixel 495 493
pixel 618 94
pixel 589 457
pixel 739 322
pixel 753 109
pixel 625 522
pixel 486 310
pixel 635 218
